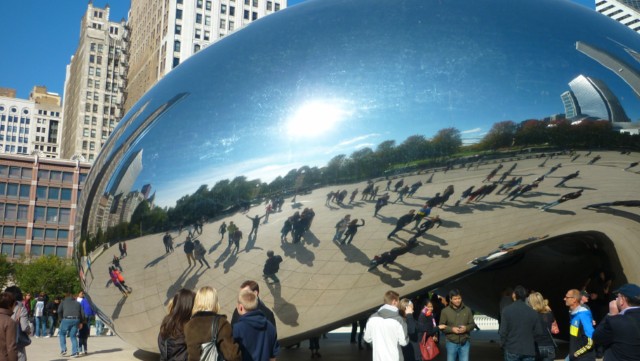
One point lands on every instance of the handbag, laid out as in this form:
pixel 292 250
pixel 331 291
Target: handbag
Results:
pixel 428 348
pixel 209 350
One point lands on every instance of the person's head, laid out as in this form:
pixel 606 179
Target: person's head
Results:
pixel 405 307
pixel 347 217
pixel 584 297
pixel 7 300
pixel 81 294
pixel 252 286
pixel 412 211
pixel 196 242
pixel 455 297
pixel 391 298
pixel 519 293
pixel 572 299
pixel 270 254
pixel 180 308
pixel 429 306
pixel 247 302
pixel 538 303
pixel 627 295
pixel 206 300
pixel 15 291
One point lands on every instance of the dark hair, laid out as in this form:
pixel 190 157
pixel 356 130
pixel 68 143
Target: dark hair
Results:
pixel 7 301
pixel 15 290
pixel 173 323
pixel 253 285
pixel 520 293
pixel 454 292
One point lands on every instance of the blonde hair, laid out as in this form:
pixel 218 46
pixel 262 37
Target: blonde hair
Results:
pixel 402 306
pixel 538 303
pixel 248 300
pixel 206 300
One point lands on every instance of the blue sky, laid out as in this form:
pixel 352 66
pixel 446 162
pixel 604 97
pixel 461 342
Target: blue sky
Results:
pixel 39 37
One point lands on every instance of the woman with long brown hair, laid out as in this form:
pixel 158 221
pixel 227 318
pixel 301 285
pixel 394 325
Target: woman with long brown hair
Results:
pixel 171 340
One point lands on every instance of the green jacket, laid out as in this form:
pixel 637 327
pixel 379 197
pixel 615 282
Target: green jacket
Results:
pixel 452 317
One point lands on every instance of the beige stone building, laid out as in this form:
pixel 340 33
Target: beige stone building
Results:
pixel 93 91
pixel 165 33
pixel 30 125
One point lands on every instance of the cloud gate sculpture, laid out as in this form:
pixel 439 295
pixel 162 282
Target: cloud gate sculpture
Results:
pixel 320 110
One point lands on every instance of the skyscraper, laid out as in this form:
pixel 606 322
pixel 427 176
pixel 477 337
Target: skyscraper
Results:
pixel 166 33
pixel 626 12
pixel 93 94
pixel 596 100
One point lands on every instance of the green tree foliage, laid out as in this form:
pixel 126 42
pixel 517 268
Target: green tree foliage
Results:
pixel 501 135
pixel 446 142
pixel 50 274
pixel 6 269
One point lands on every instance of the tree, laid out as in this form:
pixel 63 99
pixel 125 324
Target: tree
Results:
pixel 501 135
pixel 50 274
pixel 6 269
pixel 447 141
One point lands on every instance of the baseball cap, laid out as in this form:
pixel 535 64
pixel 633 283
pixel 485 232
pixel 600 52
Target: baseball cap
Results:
pixel 629 290
pixel 584 293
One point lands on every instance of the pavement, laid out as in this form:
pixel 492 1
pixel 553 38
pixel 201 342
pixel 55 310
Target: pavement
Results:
pixel 335 347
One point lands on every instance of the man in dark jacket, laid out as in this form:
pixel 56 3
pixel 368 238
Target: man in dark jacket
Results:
pixel 619 332
pixel 71 315
pixel 253 286
pixel 519 325
pixel 402 222
pixel 456 322
pixel 253 332
pixel 272 266
pixel 188 250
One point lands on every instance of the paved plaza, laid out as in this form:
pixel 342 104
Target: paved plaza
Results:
pixel 324 283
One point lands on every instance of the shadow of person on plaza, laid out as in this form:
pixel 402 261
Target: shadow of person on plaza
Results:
pixel 156 261
pixel 298 252
pixel 387 278
pixel 429 250
pixel 177 285
pixel 118 308
pixel 310 238
pixel 405 273
pixel 287 312
pixel 251 243
pixel 230 262
pixel 353 255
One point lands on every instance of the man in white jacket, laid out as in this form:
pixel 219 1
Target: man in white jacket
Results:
pixel 387 330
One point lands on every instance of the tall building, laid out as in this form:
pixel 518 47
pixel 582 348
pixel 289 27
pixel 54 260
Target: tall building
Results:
pixel 594 99
pixel 94 84
pixel 165 33
pixel 38 198
pixel 571 109
pixel 30 125
pixel 626 12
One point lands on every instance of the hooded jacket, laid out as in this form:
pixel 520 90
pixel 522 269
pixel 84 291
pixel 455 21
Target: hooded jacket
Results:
pixel 256 336
pixel 387 330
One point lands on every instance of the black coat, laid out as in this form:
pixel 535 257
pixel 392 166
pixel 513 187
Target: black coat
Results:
pixel 172 349
pixel 620 335
pixel 519 327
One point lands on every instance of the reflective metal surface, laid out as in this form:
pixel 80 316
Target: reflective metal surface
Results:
pixel 329 95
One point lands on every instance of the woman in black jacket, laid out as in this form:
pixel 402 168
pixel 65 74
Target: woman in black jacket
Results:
pixel 171 340
pixel 427 323
pixel 352 229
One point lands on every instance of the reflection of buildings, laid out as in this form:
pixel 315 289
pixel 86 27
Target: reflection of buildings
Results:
pixel 613 63
pixel 178 30
pixel 38 198
pixel 94 85
pixel 127 175
pixel 28 126
pixel 626 12
pixel 591 97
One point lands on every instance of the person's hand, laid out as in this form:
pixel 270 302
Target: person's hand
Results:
pixel 462 329
pixel 613 308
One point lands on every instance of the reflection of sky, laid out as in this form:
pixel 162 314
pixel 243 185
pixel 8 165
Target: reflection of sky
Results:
pixel 387 74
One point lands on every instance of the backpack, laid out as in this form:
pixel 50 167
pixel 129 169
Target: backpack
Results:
pixel 209 350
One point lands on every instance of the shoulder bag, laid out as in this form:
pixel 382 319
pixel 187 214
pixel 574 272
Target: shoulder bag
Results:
pixel 209 350
pixel 428 348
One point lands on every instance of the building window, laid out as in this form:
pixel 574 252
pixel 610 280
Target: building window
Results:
pixel 208 5
pixel 277 6
pixel 255 3
pixel 223 9
pixel 199 4
pixel 198 33
pixel 176 62
pixel 53 193
pixel 176 45
pixel 231 25
pixel 198 18
pixel 196 48
pixel 207 20
pixel 223 24
pixel 246 14
pixel 25 191
pixel 178 29
pixel 207 35
pixel 178 13
pixel 254 16
pixel 269 5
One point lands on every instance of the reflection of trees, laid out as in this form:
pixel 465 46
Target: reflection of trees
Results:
pixel 415 152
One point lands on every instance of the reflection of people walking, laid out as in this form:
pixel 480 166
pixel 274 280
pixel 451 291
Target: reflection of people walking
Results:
pixel 168 242
pixel 237 236
pixel 341 227
pixel 272 266
pixel 222 230
pixel 200 252
pixel 352 229
pixel 231 229
pixel 567 178
pixel 564 198
pixel 402 222
pixel 255 223
pixel 188 250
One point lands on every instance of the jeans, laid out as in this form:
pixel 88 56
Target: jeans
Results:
pixel 99 327
pixel 52 324
pixel 546 353
pixel 508 356
pixel 41 326
pixel 457 351
pixel 69 327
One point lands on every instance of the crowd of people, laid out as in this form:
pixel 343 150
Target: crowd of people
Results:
pixel 23 317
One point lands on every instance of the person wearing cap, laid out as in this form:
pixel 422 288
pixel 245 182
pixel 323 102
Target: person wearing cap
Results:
pixel 619 332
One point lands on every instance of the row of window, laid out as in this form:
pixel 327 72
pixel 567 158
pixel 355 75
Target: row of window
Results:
pixel 48 112
pixel 25 111
pixel 93 108
pixel 52 215
pixel 48 148
pixel 14 190
pixel 14 129
pixel 17 250
pixel 13 149
pixel 13 138
pixel 15 172
pixel 39 234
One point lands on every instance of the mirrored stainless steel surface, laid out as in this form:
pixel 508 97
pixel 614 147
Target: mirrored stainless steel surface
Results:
pixel 334 95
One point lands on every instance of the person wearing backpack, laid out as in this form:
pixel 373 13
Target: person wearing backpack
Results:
pixel 21 316
pixel 198 331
